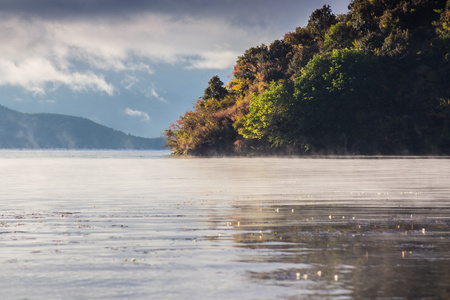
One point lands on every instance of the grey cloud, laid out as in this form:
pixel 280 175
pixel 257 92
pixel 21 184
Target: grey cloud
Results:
pixel 55 49
pixel 45 40
pixel 247 12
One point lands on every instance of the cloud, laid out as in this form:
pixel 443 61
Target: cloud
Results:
pixel 129 81
pixel 137 113
pixel 36 74
pixel 242 12
pixel 40 55
pixel 51 43
pixel 140 66
pixel 47 101
pixel 110 44
pixel 151 92
pixel 213 60
pixel 32 59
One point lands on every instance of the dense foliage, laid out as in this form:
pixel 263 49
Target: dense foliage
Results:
pixel 373 81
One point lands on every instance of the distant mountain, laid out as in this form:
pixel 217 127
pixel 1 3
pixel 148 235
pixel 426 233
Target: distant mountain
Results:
pixel 53 131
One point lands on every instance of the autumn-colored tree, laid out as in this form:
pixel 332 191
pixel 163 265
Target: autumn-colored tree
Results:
pixel 372 81
pixel 208 128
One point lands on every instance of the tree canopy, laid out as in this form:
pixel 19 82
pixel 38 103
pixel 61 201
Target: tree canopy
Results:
pixel 371 81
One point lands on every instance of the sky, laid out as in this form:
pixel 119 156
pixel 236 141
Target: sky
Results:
pixel 136 65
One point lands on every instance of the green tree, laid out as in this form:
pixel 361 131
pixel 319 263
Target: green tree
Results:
pixel 268 118
pixel 320 21
pixel 373 81
pixel 340 36
pixel 335 109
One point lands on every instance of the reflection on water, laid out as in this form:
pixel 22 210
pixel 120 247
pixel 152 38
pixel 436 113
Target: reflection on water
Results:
pixel 374 252
pixel 141 225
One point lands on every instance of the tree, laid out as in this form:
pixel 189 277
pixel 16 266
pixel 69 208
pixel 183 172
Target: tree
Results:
pixel 269 114
pixel 396 43
pixel 340 36
pixel 443 25
pixel 373 81
pixel 208 128
pixel 215 89
pixel 320 21
pixel 335 109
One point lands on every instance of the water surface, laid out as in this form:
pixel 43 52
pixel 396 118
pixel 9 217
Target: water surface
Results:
pixel 143 225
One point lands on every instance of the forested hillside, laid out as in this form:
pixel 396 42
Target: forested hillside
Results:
pixel 44 131
pixel 373 81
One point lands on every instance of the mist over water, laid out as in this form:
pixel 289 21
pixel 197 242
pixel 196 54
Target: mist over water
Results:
pixel 143 225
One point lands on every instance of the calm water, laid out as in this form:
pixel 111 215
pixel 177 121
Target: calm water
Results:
pixel 143 225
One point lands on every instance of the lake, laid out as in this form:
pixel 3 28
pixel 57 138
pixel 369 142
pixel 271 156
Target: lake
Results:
pixel 145 225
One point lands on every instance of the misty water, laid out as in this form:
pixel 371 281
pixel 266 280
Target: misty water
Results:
pixel 145 225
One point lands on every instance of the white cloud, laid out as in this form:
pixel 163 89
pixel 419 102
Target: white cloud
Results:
pixel 137 113
pixel 153 93
pixel 35 74
pixel 47 101
pixel 129 81
pixel 40 54
pixel 139 67
pixel 108 44
pixel 213 60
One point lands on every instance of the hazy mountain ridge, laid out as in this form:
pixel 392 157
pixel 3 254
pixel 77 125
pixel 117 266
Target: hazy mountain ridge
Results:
pixel 47 131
